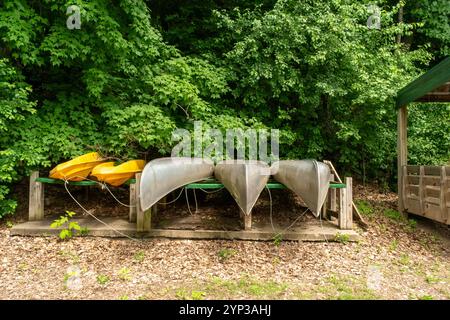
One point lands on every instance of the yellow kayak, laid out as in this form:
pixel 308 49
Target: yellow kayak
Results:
pixel 76 169
pixel 117 175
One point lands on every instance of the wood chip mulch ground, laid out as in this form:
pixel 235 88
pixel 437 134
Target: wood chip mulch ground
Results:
pixel 395 259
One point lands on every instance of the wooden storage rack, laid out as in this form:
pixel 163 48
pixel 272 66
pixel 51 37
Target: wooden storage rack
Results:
pixel 139 222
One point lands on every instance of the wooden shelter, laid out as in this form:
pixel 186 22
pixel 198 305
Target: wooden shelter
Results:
pixel 423 190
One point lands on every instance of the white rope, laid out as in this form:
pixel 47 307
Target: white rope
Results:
pixel 66 182
pixel 209 192
pixel 123 204
pixel 195 199
pixel 271 220
pixel 270 208
pixel 170 202
pixel 104 185
pixel 187 201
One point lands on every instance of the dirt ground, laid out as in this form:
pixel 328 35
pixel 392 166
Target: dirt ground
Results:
pixel 396 258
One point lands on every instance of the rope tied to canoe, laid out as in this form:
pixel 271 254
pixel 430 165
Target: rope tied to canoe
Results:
pixel 170 202
pixel 112 194
pixel 103 185
pixel 66 183
pixel 211 192
pixel 187 201
pixel 280 234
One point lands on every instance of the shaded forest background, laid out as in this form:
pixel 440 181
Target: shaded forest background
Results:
pixel 136 70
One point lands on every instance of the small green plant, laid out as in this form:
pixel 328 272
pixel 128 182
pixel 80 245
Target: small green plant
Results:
pixel 425 297
pixel 253 287
pixel 276 261
pixel 342 238
pixel 404 259
pixel 139 256
pixel 124 297
pixel 393 214
pixel 277 239
pixel 71 229
pixel 9 224
pixel 198 295
pixel 23 266
pixel 102 279
pixel 73 257
pixel 364 207
pixel 225 253
pixel 124 274
pixel 183 294
pixel 394 244
pixel 435 238
pixel 431 279
pixel 412 224
pixel 424 242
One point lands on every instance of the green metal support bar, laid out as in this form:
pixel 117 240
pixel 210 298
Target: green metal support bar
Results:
pixel 206 184
pixel 270 185
pixel 73 183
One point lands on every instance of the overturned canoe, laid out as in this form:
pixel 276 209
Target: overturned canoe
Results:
pixel 309 179
pixel 244 180
pixel 117 175
pixel 164 175
pixel 78 168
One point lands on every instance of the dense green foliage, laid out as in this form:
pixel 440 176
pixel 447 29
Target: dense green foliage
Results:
pixel 429 134
pixel 136 70
pixel 434 16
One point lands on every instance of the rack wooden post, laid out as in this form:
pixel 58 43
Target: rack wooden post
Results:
pixel 354 207
pixel 133 211
pixel 345 218
pixel 247 221
pixel 443 196
pixel 143 218
pixel 402 151
pixel 328 204
pixel 36 198
pixel 333 197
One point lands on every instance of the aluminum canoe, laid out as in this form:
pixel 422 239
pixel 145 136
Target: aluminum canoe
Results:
pixel 244 179
pixel 309 179
pixel 164 175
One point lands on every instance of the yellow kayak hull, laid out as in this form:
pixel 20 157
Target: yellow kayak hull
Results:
pixel 77 169
pixel 117 175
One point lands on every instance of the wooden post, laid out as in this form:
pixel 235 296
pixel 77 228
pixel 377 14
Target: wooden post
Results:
pixel 405 187
pixel 333 197
pixel 422 191
pixel 345 218
pixel 133 203
pixel 443 195
pixel 349 202
pixel 143 218
pixel 402 154
pixel 247 221
pixel 342 206
pixel 355 208
pixel 327 202
pixel 36 198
